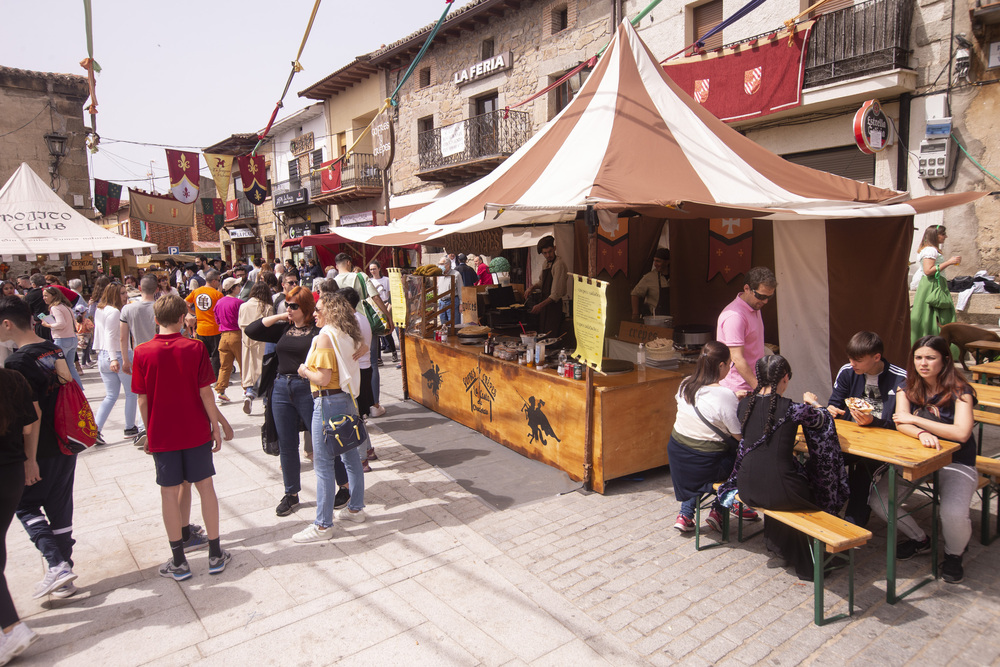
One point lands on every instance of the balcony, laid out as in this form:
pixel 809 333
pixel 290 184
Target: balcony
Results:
pixel 862 40
pixel 360 178
pixel 471 148
pixel 243 212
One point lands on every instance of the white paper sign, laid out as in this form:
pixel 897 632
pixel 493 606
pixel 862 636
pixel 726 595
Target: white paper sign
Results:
pixel 453 139
pixel 994 55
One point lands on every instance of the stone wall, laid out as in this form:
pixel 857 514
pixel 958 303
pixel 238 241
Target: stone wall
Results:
pixel 537 55
pixel 33 104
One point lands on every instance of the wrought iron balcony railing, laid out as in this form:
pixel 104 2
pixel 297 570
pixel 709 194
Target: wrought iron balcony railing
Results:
pixel 860 40
pixel 495 134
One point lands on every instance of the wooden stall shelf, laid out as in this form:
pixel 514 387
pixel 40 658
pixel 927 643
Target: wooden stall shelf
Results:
pixel 423 304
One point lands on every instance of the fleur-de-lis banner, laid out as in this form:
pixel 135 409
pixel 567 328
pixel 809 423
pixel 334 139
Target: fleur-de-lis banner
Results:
pixel 254 178
pixel 221 167
pixel 184 179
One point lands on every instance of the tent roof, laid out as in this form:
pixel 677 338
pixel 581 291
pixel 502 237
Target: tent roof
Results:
pixel 36 221
pixel 632 139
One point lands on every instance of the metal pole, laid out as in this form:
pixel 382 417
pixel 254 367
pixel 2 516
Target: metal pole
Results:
pixel 588 432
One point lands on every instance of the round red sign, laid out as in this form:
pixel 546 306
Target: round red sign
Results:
pixel 871 127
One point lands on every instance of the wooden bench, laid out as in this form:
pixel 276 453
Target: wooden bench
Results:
pixel 990 470
pixel 837 536
pixel 983 417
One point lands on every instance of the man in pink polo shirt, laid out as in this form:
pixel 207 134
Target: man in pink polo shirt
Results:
pixel 741 328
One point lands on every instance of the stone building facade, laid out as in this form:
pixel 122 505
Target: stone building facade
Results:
pixel 33 104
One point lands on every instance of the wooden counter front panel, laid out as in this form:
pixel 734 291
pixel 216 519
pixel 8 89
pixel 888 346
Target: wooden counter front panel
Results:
pixel 536 414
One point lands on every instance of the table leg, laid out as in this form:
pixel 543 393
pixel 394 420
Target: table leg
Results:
pixel 890 547
pixel 935 512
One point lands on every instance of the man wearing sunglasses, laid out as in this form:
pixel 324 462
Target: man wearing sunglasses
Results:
pixel 741 328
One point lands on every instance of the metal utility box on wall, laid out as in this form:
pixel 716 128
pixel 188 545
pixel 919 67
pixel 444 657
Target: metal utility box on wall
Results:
pixel 935 157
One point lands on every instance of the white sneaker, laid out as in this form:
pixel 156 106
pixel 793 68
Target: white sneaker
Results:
pixel 65 591
pixel 56 577
pixel 16 642
pixel 376 411
pixel 313 533
pixel 347 515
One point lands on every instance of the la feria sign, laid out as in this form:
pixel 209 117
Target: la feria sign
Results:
pixel 485 68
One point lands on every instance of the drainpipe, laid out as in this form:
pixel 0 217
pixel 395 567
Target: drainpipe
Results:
pixel 903 140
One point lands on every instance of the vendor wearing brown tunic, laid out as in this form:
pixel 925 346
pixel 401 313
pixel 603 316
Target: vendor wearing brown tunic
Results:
pixel 552 286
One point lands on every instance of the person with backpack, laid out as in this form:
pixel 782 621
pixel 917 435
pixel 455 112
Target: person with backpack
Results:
pixel 46 506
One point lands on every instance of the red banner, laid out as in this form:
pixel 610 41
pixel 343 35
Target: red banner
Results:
pixel 232 210
pixel 730 245
pixel 331 175
pixel 748 80
pixel 254 177
pixel 183 168
pixel 612 247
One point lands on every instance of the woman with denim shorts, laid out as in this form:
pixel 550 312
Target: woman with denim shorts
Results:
pixel 332 371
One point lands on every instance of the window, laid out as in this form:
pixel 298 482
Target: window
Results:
pixel 487 50
pixel 846 161
pixel 562 94
pixel 425 77
pixel 425 124
pixel 317 158
pixel 486 104
pixel 559 18
pixel 293 174
pixel 704 18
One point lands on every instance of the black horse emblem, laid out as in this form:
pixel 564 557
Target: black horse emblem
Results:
pixel 537 421
pixel 433 377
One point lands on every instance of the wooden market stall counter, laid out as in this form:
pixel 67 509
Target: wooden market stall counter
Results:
pixel 541 415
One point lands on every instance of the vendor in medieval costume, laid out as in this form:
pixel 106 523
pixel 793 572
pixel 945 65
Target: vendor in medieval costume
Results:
pixel 932 304
pixel 651 295
pixel 768 476
pixel 552 288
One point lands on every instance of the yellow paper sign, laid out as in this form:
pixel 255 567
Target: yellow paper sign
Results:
pixel 590 312
pixel 398 296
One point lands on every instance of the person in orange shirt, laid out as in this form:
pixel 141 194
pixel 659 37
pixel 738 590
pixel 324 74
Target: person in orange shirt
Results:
pixel 201 303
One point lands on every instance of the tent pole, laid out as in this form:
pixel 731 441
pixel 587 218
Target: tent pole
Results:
pixel 588 431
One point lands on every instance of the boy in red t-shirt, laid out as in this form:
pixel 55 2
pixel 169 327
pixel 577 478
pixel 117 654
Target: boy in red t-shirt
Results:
pixel 173 379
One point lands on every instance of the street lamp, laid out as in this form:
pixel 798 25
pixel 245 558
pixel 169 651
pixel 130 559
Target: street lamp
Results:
pixel 57 145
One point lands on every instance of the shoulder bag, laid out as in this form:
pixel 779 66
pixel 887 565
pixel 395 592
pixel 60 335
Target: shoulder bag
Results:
pixel 938 295
pixel 731 442
pixel 342 433
pixel 374 314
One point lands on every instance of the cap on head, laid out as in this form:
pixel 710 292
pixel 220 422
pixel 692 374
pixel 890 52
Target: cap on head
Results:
pixel 545 242
pixel 228 284
pixel 662 253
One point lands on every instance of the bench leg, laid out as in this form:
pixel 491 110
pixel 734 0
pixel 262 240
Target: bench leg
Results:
pixel 699 505
pixel 984 529
pixel 818 581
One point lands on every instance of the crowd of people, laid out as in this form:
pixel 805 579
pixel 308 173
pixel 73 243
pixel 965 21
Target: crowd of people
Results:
pixel 735 425
pixel 170 342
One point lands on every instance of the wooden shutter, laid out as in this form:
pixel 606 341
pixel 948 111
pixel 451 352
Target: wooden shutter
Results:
pixel 317 158
pixel 705 17
pixel 293 171
pixel 846 161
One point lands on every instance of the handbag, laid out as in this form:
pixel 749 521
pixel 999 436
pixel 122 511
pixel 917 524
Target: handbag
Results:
pixel 343 433
pixel 730 442
pixel 374 314
pixel 938 295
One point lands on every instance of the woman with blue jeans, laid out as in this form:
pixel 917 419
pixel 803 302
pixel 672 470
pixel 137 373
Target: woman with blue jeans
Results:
pixel 63 327
pixel 291 401
pixel 107 341
pixel 331 368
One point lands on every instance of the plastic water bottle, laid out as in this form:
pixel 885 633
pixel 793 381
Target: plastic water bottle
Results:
pixel 640 356
pixel 562 362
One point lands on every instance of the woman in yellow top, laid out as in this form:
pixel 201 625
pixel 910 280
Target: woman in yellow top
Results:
pixel 334 377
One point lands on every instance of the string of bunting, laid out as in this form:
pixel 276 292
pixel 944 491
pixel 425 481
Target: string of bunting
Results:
pixel 92 67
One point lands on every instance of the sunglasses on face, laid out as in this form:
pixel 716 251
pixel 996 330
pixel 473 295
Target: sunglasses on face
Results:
pixel 292 306
pixel 291 283
pixel 762 297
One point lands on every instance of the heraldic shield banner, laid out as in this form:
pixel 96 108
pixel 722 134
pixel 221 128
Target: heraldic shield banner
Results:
pixel 748 80
pixel 162 209
pixel 183 167
pixel 254 178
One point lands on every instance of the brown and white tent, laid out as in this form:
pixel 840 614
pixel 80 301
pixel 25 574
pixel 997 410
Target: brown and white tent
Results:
pixel 632 140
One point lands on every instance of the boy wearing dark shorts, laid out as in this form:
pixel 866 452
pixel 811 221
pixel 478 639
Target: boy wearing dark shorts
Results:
pixel 172 376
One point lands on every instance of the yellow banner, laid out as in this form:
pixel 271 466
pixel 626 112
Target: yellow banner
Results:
pixel 590 314
pixel 221 167
pixel 398 296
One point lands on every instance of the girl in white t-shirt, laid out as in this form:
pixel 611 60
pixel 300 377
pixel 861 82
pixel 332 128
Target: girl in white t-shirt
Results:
pixel 701 455
pixel 926 317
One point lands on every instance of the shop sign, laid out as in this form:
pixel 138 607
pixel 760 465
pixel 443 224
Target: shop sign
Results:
pixel 81 263
pixel 483 69
pixel 362 219
pixel 871 128
pixel 383 140
pixel 298 197
pixel 302 144
pixel 173 250
pixel 481 390
pixel 324 229
pixel 241 234
pixel 298 231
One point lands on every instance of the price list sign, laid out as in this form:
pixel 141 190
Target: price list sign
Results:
pixel 590 314
pixel 398 296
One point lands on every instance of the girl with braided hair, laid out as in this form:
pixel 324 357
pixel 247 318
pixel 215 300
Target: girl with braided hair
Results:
pixel 768 476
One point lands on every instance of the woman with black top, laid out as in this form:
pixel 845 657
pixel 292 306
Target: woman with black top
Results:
pixel 291 399
pixel 938 403
pixel 767 474
pixel 17 413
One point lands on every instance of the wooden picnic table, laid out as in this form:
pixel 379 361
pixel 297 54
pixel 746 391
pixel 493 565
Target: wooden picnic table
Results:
pixel 983 348
pixel 914 462
pixel 990 370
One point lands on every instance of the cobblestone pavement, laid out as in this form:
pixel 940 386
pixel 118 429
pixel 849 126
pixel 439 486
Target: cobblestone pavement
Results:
pixel 437 577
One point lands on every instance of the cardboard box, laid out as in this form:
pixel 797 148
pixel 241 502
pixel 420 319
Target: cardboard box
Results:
pixel 474 301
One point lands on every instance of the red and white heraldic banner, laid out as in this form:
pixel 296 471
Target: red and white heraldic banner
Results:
pixel 749 80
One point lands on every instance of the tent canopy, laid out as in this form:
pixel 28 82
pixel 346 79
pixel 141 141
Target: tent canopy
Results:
pixel 34 220
pixel 632 139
